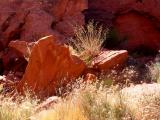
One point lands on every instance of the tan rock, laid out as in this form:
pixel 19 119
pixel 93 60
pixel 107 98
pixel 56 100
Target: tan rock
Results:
pixel 50 66
pixel 110 59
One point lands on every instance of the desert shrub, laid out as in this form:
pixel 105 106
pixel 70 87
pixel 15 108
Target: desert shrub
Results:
pixel 20 109
pixel 102 103
pixel 155 70
pixel 66 110
pixel 143 101
pixel 88 40
pixel 88 102
pixel 98 102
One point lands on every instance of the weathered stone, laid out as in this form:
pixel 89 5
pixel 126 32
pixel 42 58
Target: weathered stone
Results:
pixel 139 32
pixel 50 66
pixel 135 20
pixel 110 59
pixel 22 48
pixel 30 20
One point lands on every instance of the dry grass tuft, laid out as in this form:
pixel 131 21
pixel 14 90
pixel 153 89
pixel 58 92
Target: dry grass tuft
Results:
pixel 97 102
pixel 90 101
pixel 88 40
pixel 20 109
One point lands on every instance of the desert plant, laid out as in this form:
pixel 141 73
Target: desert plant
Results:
pixel 89 102
pixel 155 70
pixel 20 109
pixel 88 40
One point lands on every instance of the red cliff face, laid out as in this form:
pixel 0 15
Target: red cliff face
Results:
pixel 137 20
pixel 30 20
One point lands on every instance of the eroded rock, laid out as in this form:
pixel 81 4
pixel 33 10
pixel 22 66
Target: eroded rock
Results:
pixel 30 20
pixel 50 66
pixel 22 48
pixel 109 60
pixel 136 21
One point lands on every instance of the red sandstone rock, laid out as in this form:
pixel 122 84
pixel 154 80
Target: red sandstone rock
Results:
pixel 66 27
pixel 141 28
pixel 139 31
pixel 30 20
pixel 21 47
pixel 68 8
pixel 110 59
pixel 50 66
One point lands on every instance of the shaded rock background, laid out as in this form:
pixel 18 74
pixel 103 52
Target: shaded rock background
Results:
pixel 136 22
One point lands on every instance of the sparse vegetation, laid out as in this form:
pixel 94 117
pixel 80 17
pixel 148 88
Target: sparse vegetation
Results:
pixel 20 109
pixel 155 70
pixel 88 40
pixel 91 103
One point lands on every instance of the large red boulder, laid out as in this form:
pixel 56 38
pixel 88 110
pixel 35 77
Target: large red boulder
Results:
pixel 50 66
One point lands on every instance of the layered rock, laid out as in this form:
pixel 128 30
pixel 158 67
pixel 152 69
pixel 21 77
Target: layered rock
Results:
pixel 108 60
pixel 136 20
pixel 50 66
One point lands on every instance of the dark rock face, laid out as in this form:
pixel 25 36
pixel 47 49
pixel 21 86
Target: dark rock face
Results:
pixel 136 20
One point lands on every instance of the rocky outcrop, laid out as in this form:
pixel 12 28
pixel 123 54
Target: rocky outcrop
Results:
pixel 29 20
pixel 108 60
pixel 50 66
pixel 138 21
pixel 21 48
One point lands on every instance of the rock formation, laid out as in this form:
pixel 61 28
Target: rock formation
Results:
pixel 135 20
pixel 110 59
pixel 50 66
pixel 29 20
